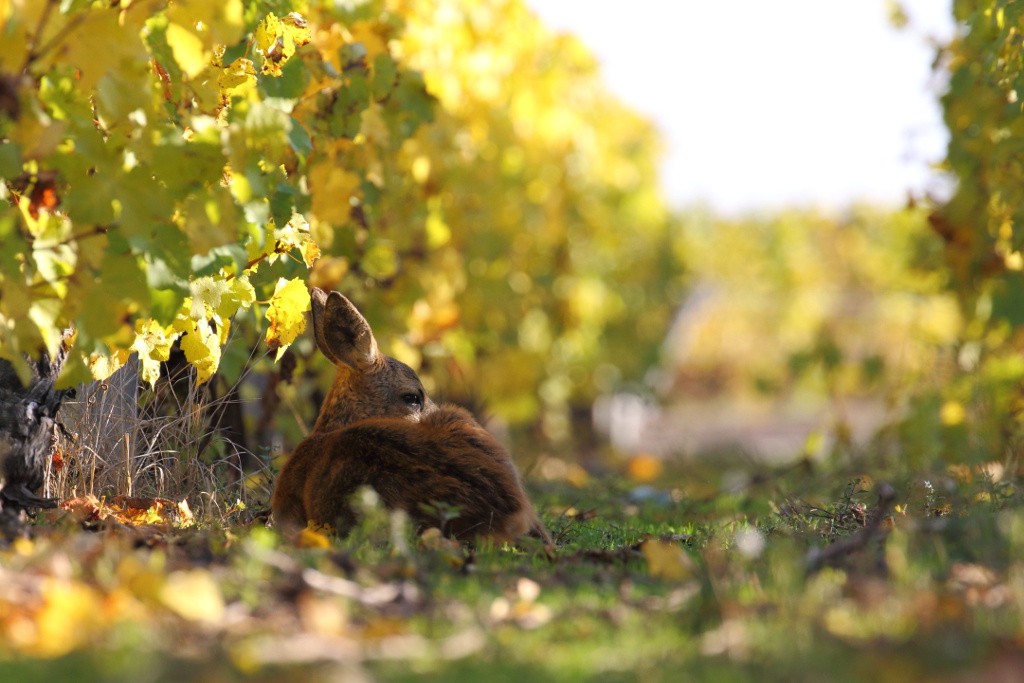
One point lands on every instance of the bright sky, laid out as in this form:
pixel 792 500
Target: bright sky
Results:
pixel 766 104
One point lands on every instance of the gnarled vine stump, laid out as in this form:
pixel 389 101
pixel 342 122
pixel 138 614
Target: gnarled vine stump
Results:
pixel 27 415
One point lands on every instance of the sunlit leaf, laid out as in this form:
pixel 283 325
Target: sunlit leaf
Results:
pixel 237 77
pixel 666 560
pixel 276 39
pixel 333 188
pixel 189 51
pixel 287 314
pixel 201 347
pixel 311 538
pixel 193 595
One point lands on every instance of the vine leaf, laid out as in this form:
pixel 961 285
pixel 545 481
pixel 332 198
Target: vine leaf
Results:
pixel 201 346
pixel 286 314
pixel 153 346
pixel 276 40
pixel 333 189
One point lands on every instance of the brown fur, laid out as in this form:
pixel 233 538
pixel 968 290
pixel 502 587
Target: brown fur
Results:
pixel 378 428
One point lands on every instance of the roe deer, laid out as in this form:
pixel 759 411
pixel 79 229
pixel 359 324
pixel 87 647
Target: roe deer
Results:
pixel 378 428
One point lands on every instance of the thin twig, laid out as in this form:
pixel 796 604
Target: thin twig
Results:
pixel 820 557
pixel 63 33
pixel 44 18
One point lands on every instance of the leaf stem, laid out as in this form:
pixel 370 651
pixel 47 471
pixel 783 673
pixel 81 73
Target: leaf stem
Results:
pixel 37 52
pixel 248 265
pixel 44 18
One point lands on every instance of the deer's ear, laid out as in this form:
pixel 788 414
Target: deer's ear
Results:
pixel 341 332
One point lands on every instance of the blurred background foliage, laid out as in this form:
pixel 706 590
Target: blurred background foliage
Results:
pixel 974 411
pixel 811 304
pixel 559 256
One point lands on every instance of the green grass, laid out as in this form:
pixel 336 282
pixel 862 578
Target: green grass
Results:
pixel 934 592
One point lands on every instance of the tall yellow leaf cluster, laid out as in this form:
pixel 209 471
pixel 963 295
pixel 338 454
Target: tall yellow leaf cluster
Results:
pixel 159 158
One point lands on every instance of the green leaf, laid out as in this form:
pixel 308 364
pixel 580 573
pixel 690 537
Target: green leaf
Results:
pixel 165 304
pixel 146 210
pixel 385 76
pixel 183 167
pixel 292 83
pixel 414 104
pixel 167 253
pixel 299 138
pixel 118 291
pixel 75 372
pixel 380 261
pixel 10 160
pixel 90 200
pixel 350 102
pixel 282 204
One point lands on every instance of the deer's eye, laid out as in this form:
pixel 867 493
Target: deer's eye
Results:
pixel 413 400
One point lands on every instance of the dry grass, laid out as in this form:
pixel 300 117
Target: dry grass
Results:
pixel 118 438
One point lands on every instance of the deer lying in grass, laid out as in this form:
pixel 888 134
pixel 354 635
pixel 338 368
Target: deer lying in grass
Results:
pixel 378 428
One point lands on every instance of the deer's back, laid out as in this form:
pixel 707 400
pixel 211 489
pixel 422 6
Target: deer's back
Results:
pixel 446 457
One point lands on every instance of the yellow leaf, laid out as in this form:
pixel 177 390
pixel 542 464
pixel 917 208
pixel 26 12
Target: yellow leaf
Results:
pixel 332 189
pixel 310 253
pixel 433 539
pixel 45 313
pixel 265 39
pixel 239 294
pixel 363 32
pixel 121 48
pixel 286 314
pixel 149 369
pixel 215 23
pixel 23 546
pixel 202 349
pixel 15 26
pixel 153 346
pixel 421 169
pixel 295 235
pixel 322 615
pixel 438 232
pixel 257 481
pixel 577 476
pixel 188 50
pixel 666 560
pixel 67 620
pixel 276 39
pixel 644 467
pixel 103 367
pixel 296 28
pixel 142 579
pixel 310 538
pixel 952 413
pixel 237 77
pixel 193 595
pixel 223 331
